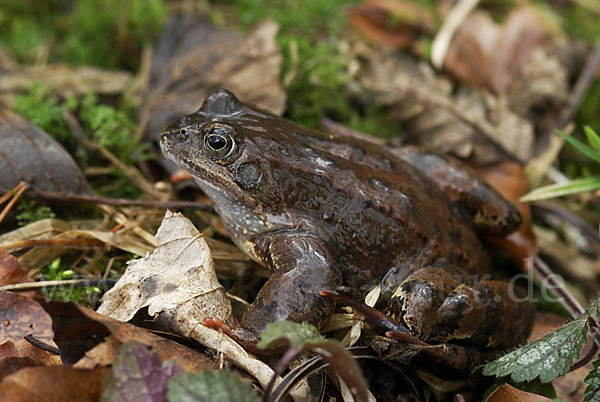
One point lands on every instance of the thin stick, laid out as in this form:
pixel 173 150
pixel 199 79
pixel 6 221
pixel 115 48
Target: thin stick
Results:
pixel 582 85
pixel 52 242
pixel 120 202
pixel 42 345
pixel 12 202
pixel 21 287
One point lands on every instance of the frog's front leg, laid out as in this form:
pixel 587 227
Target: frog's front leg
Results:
pixel 491 212
pixel 303 265
pixel 444 304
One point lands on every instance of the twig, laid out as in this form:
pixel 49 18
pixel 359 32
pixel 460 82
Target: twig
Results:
pixel 582 85
pixel 21 189
pixel 52 242
pixel 120 202
pixel 105 284
pixel 42 345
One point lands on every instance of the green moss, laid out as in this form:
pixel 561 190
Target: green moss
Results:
pixel 29 211
pixel 103 33
pixel 314 55
pixel 44 109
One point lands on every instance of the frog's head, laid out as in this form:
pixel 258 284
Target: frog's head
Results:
pixel 223 146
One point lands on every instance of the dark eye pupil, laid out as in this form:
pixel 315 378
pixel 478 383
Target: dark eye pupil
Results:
pixel 217 142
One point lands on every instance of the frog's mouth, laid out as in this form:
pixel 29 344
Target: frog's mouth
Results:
pixel 212 177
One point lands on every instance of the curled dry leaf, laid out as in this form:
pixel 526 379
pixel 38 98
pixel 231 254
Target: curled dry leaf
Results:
pixel 177 280
pixel 29 154
pixel 508 393
pixel 53 384
pixel 483 54
pixel 395 23
pixel 193 58
pixel 467 123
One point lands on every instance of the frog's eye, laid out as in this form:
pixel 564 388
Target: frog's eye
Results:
pixel 218 141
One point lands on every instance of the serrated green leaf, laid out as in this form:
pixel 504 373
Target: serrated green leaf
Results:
pixel 558 190
pixel 581 147
pixel 593 138
pixel 296 334
pixel 592 379
pixel 546 358
pixel 592 309
pixel 213 386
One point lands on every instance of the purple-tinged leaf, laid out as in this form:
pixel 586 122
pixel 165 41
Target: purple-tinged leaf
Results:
pixel 138 375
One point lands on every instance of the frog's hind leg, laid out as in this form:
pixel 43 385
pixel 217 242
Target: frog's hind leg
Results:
pixel 442 303
pixel 491 212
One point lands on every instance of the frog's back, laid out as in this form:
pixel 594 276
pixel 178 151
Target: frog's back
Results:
pixel 369 204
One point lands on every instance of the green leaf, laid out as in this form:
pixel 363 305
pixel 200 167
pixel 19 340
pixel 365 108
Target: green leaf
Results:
pixel 546 358
pixel 213 386
pixel 557 190
pixel 593 138
pixel 592 391
pixel 297 334
pixel 581 147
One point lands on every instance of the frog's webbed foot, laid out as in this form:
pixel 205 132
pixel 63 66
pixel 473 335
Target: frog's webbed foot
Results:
pixel 444 304
pixel 304 266
pixel 491 212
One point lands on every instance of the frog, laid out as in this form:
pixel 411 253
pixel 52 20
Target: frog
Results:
pixel 342 213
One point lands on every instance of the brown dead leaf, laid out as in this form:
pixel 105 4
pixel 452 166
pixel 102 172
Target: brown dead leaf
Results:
pixel 485 54
pixel 393 23
pixel 10 270
pixel 53 384
pixel 508 393
pixel 466 123
pixel 193 58
pixel 22 316
pixel 29 154
pixel 509 179
pixel 79 329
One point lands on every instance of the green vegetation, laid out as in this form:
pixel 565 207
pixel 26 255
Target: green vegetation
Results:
pixel 57 272
pixel 29 211
pixel 103 33
pixel 316 63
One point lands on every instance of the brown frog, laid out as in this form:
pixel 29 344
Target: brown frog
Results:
pixel 338 212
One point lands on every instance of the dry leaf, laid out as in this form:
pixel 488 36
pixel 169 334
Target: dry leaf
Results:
pixel 467 123
pixel 484 54
pixel 29 154
pixel 10 270
pixel 193 58
pixel 53 384
pixel 394 23
pixel 508 393
pixel 79 329
pixel 22 316
pixel 177 279
pixel 509 179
